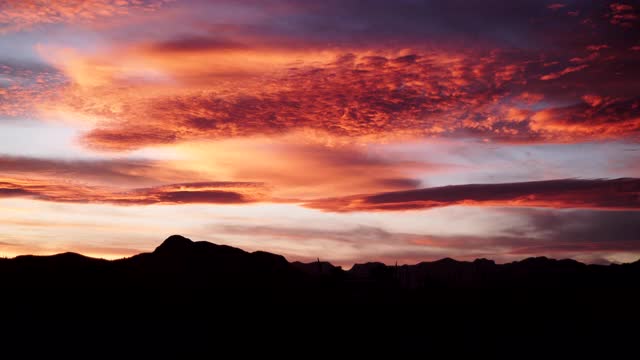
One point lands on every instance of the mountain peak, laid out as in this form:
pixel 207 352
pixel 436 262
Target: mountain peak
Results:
pixel 446 260
pixel 174 243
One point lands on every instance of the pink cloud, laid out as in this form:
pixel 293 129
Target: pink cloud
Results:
pixel 17 15
pixel 597 47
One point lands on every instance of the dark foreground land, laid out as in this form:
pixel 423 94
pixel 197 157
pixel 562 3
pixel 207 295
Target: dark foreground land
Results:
pixel 190 290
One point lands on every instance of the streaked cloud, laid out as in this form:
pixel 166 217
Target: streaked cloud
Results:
pixel 592 236
pixel 561 194
pixel 564 71
pixel 116 172
pixel 188 193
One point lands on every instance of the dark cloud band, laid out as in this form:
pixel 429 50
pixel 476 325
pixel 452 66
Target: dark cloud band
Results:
pixel 565 193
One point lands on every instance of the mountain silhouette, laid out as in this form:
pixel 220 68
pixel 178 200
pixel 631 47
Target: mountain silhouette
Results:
pixel 182 263
pixel 228 287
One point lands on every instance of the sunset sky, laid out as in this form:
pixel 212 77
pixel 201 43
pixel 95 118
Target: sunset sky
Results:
pixel 349 130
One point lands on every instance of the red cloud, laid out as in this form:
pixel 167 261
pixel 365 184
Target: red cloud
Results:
pixel 596 117
pixel 622 15
pixel 192 89
pixel 556 6
pixel 566 193
pixel 362 96
pixel 237 83
pixel 617 7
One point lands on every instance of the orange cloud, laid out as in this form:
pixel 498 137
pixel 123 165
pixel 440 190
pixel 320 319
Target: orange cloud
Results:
pixel 36 248
pixel 566 193
pixel 297 169
pixel 205 87
pixel 565 71
pixel 292 168
pixel 158 95
pixel 116 173
pixel 187 193
pixel 596 118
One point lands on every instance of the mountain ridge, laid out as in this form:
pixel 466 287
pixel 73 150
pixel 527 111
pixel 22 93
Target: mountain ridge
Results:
pixel 222 286
pixel 176 244
pixel 179 262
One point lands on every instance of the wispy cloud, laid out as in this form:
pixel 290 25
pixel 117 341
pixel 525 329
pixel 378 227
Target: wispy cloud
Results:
pixel 188 193
pixel 114 172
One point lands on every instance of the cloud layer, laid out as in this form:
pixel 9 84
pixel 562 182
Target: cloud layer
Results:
pixel 566 193
pixel 585 234
pixel 394 71
pixel 115 172
pixel 367 96
pixel 188 193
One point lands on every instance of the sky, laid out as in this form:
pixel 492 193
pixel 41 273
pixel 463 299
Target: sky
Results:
pixel 345 130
